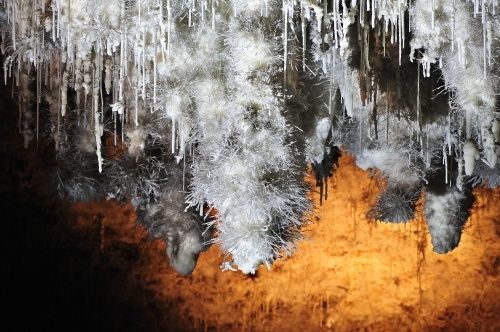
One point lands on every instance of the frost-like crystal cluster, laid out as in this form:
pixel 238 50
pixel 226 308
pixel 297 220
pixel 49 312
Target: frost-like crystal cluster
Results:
pixel 186 107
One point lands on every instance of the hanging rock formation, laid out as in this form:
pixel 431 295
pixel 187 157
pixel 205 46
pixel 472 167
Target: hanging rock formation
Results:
pixel 185 107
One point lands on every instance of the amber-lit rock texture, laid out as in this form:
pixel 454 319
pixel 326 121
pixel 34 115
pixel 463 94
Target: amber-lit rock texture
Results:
pixel 350 274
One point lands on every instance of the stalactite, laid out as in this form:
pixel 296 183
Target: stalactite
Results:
pixel 121 59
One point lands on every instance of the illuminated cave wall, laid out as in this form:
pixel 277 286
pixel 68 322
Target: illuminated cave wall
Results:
pixel 351 273
pixel 206 114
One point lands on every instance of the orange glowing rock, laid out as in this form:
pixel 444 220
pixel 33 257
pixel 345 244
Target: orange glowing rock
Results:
pixel 350 273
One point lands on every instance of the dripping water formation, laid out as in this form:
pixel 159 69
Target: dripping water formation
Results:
pixel 195 148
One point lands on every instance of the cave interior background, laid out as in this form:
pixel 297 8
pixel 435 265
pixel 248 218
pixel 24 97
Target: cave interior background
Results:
pixel 367 112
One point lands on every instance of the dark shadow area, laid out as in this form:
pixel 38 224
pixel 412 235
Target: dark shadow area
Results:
pixel 55 281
